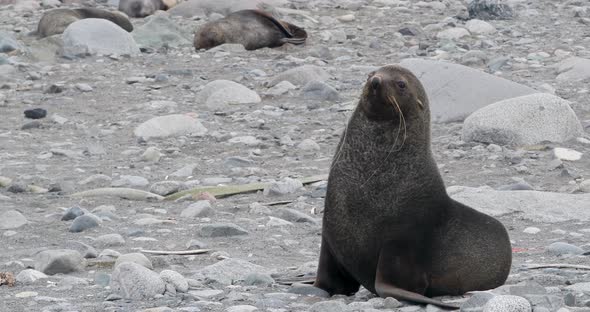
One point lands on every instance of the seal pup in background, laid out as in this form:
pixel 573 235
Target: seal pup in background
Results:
pixel 55 21
pixel 143 8
pixel 389 223
pixel 254 29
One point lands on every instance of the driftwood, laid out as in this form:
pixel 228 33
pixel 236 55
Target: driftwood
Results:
pixel 229 190
pixel 121 192
pixel 557 266
pixel 176 253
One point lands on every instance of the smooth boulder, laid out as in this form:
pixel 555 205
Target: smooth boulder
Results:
pixel 456 91
pixel 170 125
pixel 159 31
pixel 57 261
pixel 134 281
pixel 523 120
pixel 546 207
pixel 97 36
pixel 219 93
pixel 229 271
pixel 573 69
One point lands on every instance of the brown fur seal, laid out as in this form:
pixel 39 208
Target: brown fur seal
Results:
pixel 254 29
pixel 143 8
pixel 389 223
pixel 56 21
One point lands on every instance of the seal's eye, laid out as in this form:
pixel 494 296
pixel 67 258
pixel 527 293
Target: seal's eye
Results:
pixel 401 84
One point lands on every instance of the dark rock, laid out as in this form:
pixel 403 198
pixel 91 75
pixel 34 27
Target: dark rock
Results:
pixel 83 223
pixel 32 125
pixel 490 10
pixel 58 261
pixel 72 213
pixel 17 188
pixel 36 113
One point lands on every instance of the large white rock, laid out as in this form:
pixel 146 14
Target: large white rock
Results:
pixel 192 8
pixel 523 120
pixel 218 93
pixel 456 91
pixel 536 206
pixel 507 304
pixel 134 281
pixel 12 219
pixel 159 30
pixel 455 33
pixel 573 69
pixel 97 36
pixel 170 125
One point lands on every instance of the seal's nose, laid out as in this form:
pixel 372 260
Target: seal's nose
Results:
pixel 375 82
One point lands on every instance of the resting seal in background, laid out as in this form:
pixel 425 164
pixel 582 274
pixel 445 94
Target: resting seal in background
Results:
pixel 389 223
pixel 254 29
pixel 56 21
pixel 143 8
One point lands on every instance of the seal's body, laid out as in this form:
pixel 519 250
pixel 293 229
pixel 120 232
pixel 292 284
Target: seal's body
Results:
pixel 254 29
pixel 388 223
pixel 143 8
pixel 57 20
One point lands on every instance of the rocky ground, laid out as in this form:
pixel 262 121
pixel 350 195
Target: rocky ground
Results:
pixel 147 112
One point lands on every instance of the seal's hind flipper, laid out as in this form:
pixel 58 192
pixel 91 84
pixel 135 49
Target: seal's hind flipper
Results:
pixel 400 275
pixel 293 34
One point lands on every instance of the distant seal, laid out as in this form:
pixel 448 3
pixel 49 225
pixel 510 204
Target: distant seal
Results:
pixel 254 29
pixel 389 223
pixel 56 21
pixel 143 8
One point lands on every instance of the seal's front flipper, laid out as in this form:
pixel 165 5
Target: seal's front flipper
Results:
pixel 331 276
pixel 400 275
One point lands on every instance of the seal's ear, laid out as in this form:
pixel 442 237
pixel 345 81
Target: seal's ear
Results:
pixel 420 104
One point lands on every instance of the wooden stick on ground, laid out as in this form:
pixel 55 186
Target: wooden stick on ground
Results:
pixel 177 253
pixel 557 266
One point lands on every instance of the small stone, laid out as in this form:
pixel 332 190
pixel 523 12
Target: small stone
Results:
pixel 12 219
pixel 151 154
pixel 170 125
pixel 280 89
pixel 308 290
pixel 479 27
pixel 391 303
pixel 130 181
pixel 295 216
pixel 29 276
pixel 134 281
pixel 531 230
pixel 200 209
pixel 320 91
pixel 176 279
pixel 110 240
pixel 58 261
pixel 26 294
pixel 329 306
pixel 165 188
pixel 308 145
pixel 72 213
pixel 221 230
pixel 560 248
pixel 476 302
pixel 228 271
pixel 507 304
pixel 258 279
pixel 346 18
pixel 83 87
pixel 566 154
pixel 455 33
pixel 242 308
pixel 84 222
pixel 287 186
pixel 36 113
pixel 137 258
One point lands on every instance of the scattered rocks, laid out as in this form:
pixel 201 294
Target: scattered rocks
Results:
pixel 134 281
pixel 97 36
pixel 170 125
pixel 72 213
pixel 59 261
pixel 490 10
pixel 524 120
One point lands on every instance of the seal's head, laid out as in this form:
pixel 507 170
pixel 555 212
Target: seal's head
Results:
pixel 392 92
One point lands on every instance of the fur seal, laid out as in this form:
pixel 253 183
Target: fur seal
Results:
pixel 143 8
pixel 55 21
pixel 388 222
pixel 254 29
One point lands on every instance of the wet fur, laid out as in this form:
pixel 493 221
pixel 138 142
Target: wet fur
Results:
pixel 254 29
pixel 143 8
pixel 56 21
pixel 387 200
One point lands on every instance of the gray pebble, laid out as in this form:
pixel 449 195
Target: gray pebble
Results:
pixel 58 261
pixel 84 222
pixel 72 213
pixel 221 230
